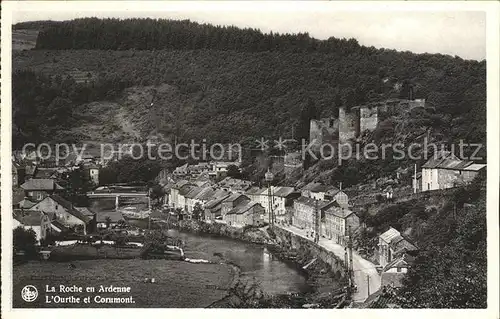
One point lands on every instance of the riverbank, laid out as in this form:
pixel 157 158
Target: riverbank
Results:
pixel 178 284
pixel 326 281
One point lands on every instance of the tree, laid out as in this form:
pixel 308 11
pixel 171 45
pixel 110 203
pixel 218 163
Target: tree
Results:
pixel 198 212
pixel 76 185
pixel 24 240
pixel 233 171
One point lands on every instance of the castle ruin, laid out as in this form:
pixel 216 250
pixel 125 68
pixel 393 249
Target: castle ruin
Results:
pixel 353 122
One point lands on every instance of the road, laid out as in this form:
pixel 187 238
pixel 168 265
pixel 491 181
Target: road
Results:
pixel 362 267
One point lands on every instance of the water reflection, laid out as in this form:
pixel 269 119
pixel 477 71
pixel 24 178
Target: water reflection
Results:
pixel 255 261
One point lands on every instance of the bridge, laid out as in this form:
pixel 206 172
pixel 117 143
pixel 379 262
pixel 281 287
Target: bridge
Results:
pixel 117 195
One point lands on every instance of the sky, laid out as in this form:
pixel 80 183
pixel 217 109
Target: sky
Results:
pixel 461 33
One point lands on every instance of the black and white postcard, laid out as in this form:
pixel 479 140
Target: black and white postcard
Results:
pixel 270 155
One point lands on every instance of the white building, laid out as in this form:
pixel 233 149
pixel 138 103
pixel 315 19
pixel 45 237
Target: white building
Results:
pixel 445 170
pixel 34 220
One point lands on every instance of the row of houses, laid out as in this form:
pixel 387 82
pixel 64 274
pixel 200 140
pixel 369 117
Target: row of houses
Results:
pixel 56 215
pixel 237 203
pixel 38 203
pixel 213 169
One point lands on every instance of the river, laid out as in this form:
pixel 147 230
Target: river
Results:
pixel 255 262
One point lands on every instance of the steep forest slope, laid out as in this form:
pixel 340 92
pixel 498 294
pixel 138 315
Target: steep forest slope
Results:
pixel 225 92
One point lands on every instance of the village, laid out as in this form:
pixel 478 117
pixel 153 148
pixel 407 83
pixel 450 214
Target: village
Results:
pixel 329 216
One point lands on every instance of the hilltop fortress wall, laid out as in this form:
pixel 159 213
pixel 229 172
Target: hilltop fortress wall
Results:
pixel 351 123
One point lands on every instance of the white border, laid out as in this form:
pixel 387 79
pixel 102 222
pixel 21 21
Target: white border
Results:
pixel 493 135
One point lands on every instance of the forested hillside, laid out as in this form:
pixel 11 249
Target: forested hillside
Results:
pixel 224 90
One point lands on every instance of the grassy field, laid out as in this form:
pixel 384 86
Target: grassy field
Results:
pixel 178 284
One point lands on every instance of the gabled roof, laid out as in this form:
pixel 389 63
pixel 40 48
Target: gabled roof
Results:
pixel 86 211
pixel 234 197
pixel 334 191
pixel 68 206
pixel 206 193
pixel 339 211
pixel 243 207
pixel 447 160
pixel 45 173
pixel 254 191
pixel 184 190
pixel 26 203
pixel 396 241
pixel 312 202
pixel 43 184
pixel 282 191
pixel 402 245
pixel 401 262
pixel 28 217
pixel 180 184
pixel 193 192
pixel 389 235
pixel 216 201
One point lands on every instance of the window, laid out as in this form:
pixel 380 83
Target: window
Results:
pixel 398 269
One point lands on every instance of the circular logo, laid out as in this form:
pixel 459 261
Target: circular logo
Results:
pixel 29 293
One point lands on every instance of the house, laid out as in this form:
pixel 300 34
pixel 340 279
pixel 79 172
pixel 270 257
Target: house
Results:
pixel 282 200
pixel 219 168
pixel 86 211
pixel 394 272
pixel 245 213
pixel 338 221
pixel 392 245
pixel 175 194
pixel 92 171
pixel 234 185
pixel 38 189
pixel 213 208
pixel 319 191
pixel 197 195
pixel 181 171
pixel 445 170
pixel 335 194
pixel 231 202
pixel 45 173
pixel 305 210
pixel 64 212
pixel 388 192
pixel 26 204
pixel 32 219
pixel 308 189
